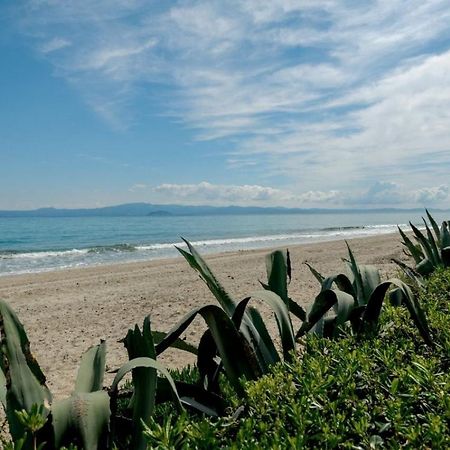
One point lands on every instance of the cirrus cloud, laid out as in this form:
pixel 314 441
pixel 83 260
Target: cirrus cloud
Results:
pixel 344 93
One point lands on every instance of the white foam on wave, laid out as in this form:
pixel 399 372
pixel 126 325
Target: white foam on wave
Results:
pixel 335 232
pixel 42 261
pixel 44 254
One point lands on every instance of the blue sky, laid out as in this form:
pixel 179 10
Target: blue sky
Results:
pixel 253 102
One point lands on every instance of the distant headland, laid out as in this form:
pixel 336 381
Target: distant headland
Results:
pixel 153 210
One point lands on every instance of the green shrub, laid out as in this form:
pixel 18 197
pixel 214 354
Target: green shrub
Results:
pixel 391 391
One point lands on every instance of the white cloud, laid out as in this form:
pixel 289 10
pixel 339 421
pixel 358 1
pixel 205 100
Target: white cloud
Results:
pixel 217 194
pixel 333 95
pixel 54 44
pixel 432 195
pixel 379 194
pixel 137 187
pixel 393 194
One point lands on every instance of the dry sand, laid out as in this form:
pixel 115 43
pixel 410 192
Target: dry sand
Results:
pixel 65 312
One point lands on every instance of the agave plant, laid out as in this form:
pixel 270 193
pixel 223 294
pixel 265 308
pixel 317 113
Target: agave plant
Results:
pixel 148 389
pixel 432 249
pixel 84 417
pixel 237 333
pixel 359 310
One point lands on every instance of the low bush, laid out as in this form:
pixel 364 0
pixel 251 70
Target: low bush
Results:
pixel 392 391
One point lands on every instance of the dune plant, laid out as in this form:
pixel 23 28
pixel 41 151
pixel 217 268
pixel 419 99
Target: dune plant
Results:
pixel 83 419
pixel 237 333
pixel 432 249
pixel 359 311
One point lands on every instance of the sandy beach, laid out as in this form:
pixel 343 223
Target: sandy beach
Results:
pixel 67 311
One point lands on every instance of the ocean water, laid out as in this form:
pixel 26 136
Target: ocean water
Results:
pixel 45 243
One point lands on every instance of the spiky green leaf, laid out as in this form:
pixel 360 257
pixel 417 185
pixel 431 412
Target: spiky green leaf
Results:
pixel 82 417
pixel 435 226
pixel 278 273
pixel 321 305
pixel 25 382
pixel 283 320
pixel 140 344
pixel 424 243
pixel 318 276
pixel 415 251
pixel 179 344
pixel 196 261
pixel 92 370
pixel 236 355
pixel 144 362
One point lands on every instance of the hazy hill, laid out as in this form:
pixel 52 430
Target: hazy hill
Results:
pixel 148 209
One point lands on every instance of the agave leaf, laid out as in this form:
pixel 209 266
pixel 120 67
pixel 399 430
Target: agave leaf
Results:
pixel 343 308
pixel 415 310
pixel 140 344
pixel 193 396
pixel 319 277
pixel 144 362
pixel 445 244
pixel 293 307
pixel 239 312
pixel 180 344
pixel 435 226
pixel 355 317
pixel 83 415
pixel 370 276
pixel 329 326
pixel 416 252
pixel 318 328
pixel 25 382
pixel 325 327
pixel 342 282
pixel 445 235
pixel 360 292
pixel 433 245
pixel 412 274
pixel 445 255
pixel 196 261
pixel 263 353
pixel 373 308
pixel 425 267
pixel 278 273
pixel 372 313
pixel 236 355
pixel 396 297
pixel 92 369
pixel 322 304
pixel 3 389
pixel 424 243
pixel 296 310
pixel 261 341
pixel 206 364
pixel 283 320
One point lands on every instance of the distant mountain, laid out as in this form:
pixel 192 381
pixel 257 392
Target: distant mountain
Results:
pixel 148 209
pixel 159 213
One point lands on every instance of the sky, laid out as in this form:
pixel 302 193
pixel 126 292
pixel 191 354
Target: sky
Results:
pixel 313 103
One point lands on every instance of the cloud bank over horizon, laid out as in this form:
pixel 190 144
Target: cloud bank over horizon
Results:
pixel 378 195
pixel 313 103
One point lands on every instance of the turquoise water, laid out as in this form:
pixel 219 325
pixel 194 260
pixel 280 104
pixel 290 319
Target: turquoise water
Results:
pixel 41 244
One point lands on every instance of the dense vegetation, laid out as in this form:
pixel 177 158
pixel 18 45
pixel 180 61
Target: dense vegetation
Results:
pixel 360 371
pixel 392 391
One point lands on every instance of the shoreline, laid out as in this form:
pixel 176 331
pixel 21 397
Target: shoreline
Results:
pixel 66 311
pixel 208 250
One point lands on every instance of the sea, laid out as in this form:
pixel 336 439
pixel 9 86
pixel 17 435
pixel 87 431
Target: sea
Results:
pixel 39 244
